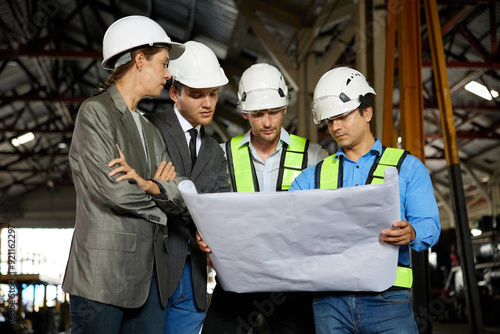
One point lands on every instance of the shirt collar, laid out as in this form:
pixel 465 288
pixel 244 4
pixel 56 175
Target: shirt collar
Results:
pixel 185 125
pixel 375 150
pixel 284 137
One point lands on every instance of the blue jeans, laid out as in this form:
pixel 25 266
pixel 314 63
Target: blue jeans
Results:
pixel 385 312
pixel 182 316
pixel 91 317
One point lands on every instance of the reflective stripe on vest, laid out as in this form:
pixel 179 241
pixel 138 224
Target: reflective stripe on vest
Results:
pixel 329 175
pixel 328 178
pixel 242 170
pixel 390 157
pixel 293 161
pixel 404 277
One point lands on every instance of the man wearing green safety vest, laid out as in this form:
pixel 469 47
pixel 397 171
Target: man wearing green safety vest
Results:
pixel 266 158
pixel 342 97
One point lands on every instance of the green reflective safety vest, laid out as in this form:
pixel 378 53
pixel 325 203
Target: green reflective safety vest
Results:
pixel 242 170
pixel 329 175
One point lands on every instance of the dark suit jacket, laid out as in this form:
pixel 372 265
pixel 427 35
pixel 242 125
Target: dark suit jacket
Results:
pixel 209 175
pixel 120 230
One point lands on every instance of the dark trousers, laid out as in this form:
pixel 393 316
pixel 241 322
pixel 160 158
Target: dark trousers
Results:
pixel 237 313
pixel 91 317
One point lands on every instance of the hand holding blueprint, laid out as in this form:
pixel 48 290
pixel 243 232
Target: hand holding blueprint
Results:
pixel 311 240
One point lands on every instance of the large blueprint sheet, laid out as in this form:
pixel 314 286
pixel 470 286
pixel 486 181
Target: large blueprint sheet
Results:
pixel 311 240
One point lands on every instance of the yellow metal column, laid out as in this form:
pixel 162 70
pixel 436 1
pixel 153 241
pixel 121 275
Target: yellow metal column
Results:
pixel 455 176
pixel 410 77
pixel 412 131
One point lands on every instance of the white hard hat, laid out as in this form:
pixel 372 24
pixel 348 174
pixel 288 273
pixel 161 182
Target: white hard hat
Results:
pixel 198 67
pixel 262 86
pixel 338 92
pixel 131 32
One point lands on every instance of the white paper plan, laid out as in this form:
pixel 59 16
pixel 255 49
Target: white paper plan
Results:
pixel 310 240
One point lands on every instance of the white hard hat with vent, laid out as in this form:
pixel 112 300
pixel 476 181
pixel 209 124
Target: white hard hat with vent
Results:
pixel 262 87
pixel 198 67
pixel 338 92
pixel 131 32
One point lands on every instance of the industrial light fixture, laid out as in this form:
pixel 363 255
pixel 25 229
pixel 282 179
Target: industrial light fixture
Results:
pixel 476 232
pixel 23 139
pixel 481 90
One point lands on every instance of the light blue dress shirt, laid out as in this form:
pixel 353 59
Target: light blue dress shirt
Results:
pixel 418 204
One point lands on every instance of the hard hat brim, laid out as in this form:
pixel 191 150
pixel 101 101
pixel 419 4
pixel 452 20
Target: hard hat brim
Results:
pixel 262 99
pixel 176 50
pixel 331 106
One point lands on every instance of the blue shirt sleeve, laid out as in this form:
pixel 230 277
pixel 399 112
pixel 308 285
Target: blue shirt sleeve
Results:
pixel 418 203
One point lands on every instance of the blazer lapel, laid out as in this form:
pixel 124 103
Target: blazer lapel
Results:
pixel 180 144
pixel 133 133
pixel 130 128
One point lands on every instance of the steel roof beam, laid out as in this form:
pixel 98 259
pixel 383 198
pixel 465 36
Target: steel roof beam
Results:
pixel 269 43
pixel 467 65
pixel 58 54
pixel 467 135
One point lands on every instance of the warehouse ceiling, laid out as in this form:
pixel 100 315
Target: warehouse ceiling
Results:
pixel 50 54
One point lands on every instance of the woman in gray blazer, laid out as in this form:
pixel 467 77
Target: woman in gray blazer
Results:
pixel 125 185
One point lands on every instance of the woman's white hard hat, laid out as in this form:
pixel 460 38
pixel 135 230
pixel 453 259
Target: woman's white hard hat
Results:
pixel 131 32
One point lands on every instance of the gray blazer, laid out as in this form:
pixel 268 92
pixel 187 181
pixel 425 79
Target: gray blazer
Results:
pixel 209 175
pixel 120 231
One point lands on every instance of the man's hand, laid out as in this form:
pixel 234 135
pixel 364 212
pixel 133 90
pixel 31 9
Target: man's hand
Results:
pixel 402 233
pixel 203 246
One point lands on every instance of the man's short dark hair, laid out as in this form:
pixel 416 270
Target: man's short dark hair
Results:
pixel 177 85
pixel 366 101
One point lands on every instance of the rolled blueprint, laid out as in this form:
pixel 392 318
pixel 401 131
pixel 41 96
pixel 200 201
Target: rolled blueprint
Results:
pixel 310 240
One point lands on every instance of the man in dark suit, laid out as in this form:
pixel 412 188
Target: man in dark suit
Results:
pixel 197 77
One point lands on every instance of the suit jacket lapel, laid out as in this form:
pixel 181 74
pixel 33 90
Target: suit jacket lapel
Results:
pixel 130 127
pixel 179 138
pixel 133 133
